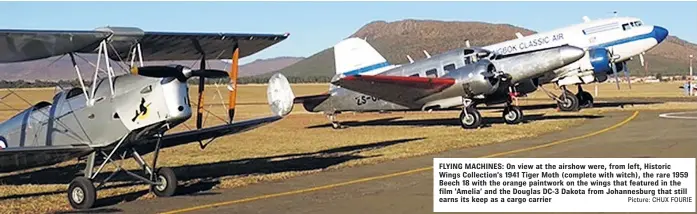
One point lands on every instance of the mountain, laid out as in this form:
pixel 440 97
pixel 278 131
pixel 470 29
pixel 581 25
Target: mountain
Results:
pixel 57 68
pixel 395 40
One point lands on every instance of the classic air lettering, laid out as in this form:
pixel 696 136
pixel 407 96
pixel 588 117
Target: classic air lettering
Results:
pixel 528 44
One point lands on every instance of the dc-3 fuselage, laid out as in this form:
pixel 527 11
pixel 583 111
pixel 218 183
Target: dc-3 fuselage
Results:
pixel 609 40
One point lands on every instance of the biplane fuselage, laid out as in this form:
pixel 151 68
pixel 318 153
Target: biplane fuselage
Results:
pixel 140 105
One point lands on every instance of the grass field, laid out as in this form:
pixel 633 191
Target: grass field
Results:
pixel 300 144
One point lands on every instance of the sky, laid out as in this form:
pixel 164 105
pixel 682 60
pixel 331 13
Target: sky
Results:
pixel 315 26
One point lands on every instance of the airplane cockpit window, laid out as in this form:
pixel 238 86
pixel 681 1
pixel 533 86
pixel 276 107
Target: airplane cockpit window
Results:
pixel 626 26
pixel 73 92
pixel 636 24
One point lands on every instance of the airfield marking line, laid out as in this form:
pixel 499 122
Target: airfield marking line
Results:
pixel 329 186
pixel 673 115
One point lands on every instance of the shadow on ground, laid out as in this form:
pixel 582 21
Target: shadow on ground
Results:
pixel 486 121
pixel 202 177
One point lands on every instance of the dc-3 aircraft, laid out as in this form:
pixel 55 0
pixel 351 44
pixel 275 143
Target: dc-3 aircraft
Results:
pixel 609 44
pixel 125 116
pixel 606 44
pixel 366 82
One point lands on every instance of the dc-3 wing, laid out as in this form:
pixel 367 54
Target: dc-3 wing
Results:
pixel 397 89
pixel 25 45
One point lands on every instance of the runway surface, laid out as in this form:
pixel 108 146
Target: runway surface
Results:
pixel 405 185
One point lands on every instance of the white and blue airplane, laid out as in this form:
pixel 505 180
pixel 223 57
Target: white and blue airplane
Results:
pixel 609 43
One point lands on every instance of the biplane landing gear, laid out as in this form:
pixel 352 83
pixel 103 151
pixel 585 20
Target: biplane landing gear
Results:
pixel 470 117
pixel 82 193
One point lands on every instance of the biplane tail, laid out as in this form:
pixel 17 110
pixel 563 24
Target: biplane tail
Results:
pixel 355 56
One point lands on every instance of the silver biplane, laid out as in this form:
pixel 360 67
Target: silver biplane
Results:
pixel 125 116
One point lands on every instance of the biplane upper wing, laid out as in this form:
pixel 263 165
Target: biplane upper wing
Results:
pixel 25 45
pixel 397 89
pixel 185 137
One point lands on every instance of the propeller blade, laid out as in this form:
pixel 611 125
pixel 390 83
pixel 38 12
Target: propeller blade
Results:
pixel 614 73
pixel 199 109
pixel 626 75
pixel 209 73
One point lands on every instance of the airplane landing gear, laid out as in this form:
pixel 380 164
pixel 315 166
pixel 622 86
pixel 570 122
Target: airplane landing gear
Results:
pixel 585 99
pixel 332 119
pixel 567 101
pixel 512 113
pixel 470 117
pixel 82 192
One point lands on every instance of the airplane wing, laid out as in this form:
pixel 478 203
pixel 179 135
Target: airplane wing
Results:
pixel 397 89
pixel 186 137
pixel 25 45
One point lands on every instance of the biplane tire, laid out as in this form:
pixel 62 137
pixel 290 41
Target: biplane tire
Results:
pixel 81 193
pixel 512 115
pixel 168 182
pixel 569 102
pixel 473 119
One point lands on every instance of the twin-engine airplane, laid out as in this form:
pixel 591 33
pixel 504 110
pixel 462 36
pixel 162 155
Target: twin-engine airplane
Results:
pixel 125 116
pixel 366 82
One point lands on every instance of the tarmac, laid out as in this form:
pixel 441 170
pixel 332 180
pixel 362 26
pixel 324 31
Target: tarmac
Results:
pixel 406 185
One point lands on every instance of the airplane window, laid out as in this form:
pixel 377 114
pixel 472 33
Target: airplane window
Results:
pixel 626 27
pixel 449 67
pixel 414 75
pixel 432 73
pixel 637 23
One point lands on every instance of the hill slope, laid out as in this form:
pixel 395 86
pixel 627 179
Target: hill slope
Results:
pixel 397 39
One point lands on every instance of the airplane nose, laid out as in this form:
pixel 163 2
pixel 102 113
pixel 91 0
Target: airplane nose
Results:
pixel 571 53
pixel 659 33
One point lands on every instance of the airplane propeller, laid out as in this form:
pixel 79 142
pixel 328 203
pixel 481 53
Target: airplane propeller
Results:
pixel 182 73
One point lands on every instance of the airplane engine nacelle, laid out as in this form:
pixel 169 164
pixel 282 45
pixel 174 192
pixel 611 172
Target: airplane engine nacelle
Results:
pixel 600 61
pixel 476 79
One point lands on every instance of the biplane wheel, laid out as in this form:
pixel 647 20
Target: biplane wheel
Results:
pixel 81 193
pixel 512 115
pixel 569 102
pixel 472 120
pixel 167 183
pixel 336 126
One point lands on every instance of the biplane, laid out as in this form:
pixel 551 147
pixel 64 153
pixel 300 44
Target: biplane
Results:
pixel 126 116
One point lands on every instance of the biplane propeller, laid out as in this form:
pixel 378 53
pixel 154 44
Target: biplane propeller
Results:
pixel 125 116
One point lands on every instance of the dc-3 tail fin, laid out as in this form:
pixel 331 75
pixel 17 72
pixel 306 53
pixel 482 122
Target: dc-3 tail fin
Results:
pixel 280 95
pixel 355 56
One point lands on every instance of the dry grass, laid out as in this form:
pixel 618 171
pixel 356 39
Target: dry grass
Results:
pixel 299 144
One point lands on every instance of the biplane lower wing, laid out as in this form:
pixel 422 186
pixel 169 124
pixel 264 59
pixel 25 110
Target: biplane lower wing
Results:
pixel 13 159
pixel 397 89
pixel 181 138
